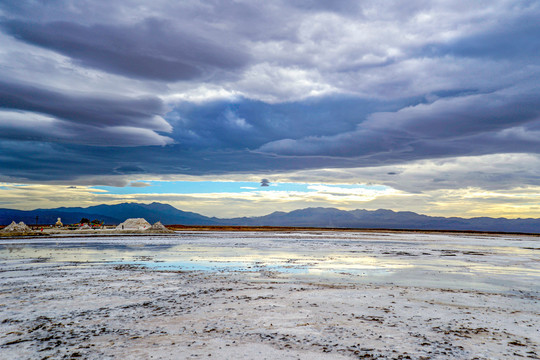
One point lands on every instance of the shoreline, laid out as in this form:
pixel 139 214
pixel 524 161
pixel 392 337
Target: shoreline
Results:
pixel 51 232
pixel 241 228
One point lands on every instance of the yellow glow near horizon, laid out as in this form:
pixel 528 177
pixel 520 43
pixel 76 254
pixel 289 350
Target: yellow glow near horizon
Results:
pixel 468 202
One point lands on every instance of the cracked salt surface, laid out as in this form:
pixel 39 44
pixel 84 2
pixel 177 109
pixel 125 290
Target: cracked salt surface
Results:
pixel 316 295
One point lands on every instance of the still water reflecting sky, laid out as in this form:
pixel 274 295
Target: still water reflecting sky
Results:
pixel 487 263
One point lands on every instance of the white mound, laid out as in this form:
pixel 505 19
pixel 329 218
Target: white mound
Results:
pixel 17 228
pixel 85 227
pixel 159 227
pixel 134 224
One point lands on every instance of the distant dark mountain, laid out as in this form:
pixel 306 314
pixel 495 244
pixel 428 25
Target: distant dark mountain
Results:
pixel 310 217
pixel 385 219
pixel 111 214
pixel 151 212
pixel 319 217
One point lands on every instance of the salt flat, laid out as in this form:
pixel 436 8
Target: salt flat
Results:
pixel 307 295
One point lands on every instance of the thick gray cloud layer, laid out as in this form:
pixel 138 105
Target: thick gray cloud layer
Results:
pixel 479 123
pixel 83 109
pixel 150 50
pixel 55 116
pixel 94 88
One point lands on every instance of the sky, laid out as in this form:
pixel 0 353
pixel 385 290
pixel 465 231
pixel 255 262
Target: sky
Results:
pixel 242 108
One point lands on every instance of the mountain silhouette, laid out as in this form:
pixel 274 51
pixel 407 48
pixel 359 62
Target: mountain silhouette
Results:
pixel 309 217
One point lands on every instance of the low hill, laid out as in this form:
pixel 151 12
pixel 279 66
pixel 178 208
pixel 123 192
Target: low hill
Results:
pixel 386 219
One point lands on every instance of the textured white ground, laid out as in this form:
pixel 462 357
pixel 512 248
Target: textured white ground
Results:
pixel 312 295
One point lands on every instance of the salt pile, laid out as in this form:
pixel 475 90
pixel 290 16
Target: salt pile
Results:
pixel 17 228
pixel 134 224
pixel 160 227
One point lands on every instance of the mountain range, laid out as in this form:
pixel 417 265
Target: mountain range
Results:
pixel 310 217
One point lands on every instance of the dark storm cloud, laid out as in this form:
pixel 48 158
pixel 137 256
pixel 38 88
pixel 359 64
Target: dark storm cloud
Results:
pixel 463 115
pixel 227 138
pixel 429 130
pixel 84 109
pixel 129 169
pixel 263 86
pixel 33 127
pixel 518 40
pixel 37 114
pixel 153 49
pixel 250 124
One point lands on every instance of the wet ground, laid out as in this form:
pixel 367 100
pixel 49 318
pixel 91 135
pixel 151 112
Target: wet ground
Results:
pixel 307 295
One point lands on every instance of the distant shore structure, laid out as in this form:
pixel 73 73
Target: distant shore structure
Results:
pixel 134 224
pixel 17 228
pixel 59 223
